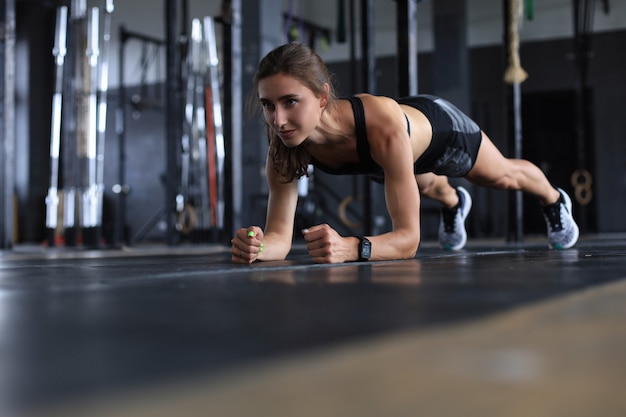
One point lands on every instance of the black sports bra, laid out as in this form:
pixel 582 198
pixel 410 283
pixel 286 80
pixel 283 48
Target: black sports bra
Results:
pixel 366 164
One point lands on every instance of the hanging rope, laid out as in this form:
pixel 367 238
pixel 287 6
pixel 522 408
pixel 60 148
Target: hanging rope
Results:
pixel 514 73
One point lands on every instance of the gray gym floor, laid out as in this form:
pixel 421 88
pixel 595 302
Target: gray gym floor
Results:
pixel 492 330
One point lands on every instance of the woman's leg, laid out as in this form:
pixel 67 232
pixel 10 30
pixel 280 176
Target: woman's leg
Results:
pixel 437 188
pixel 456 204
pixel 493 170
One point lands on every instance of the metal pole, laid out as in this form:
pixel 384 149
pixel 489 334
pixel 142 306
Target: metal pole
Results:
pixel 103 88
pixel 233 105
pixel 120 130
pixel 369 81
pixel 367 46
pixel 406 23
pixel 516 206
pixel 517 141
pixel 172 120
pixel 7 121
pixel 583 20
pixel 354 76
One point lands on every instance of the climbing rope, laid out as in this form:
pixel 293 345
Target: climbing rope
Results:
pixel 514 73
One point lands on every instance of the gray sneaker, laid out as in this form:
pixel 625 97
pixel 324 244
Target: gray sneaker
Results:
pixel 562 229
pixel 452 234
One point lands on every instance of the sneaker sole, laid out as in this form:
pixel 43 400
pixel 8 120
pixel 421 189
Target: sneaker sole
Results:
pixel 468 199
pixel 572 242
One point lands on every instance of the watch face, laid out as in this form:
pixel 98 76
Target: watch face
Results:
pixel 366 249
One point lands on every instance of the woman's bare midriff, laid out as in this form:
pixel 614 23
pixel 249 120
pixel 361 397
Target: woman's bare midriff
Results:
pixel 421 130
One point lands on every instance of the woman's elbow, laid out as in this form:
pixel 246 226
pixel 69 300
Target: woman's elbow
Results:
pixel 411 247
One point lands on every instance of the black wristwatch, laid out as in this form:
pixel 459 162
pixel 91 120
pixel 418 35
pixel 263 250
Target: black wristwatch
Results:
pixel 365 249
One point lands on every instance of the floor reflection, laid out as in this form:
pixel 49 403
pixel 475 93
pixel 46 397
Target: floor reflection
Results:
pixel 384 273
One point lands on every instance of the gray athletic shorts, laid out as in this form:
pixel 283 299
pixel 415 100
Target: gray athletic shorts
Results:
pixel 456 138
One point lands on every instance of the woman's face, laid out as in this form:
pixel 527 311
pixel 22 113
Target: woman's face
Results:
pixel 290 108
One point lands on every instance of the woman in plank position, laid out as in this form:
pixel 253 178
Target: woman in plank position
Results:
pixel 411 144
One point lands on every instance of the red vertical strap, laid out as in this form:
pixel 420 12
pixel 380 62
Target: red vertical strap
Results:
pixel 212 169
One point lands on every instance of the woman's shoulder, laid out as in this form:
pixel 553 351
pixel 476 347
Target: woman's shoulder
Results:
pixel 375 99
pixel 379 108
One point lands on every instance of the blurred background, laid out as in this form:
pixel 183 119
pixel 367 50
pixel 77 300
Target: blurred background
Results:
pixel 157 188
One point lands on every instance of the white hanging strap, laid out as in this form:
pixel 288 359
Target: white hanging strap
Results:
pixel 59 51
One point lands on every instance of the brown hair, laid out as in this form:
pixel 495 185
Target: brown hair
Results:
pixel 300 62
